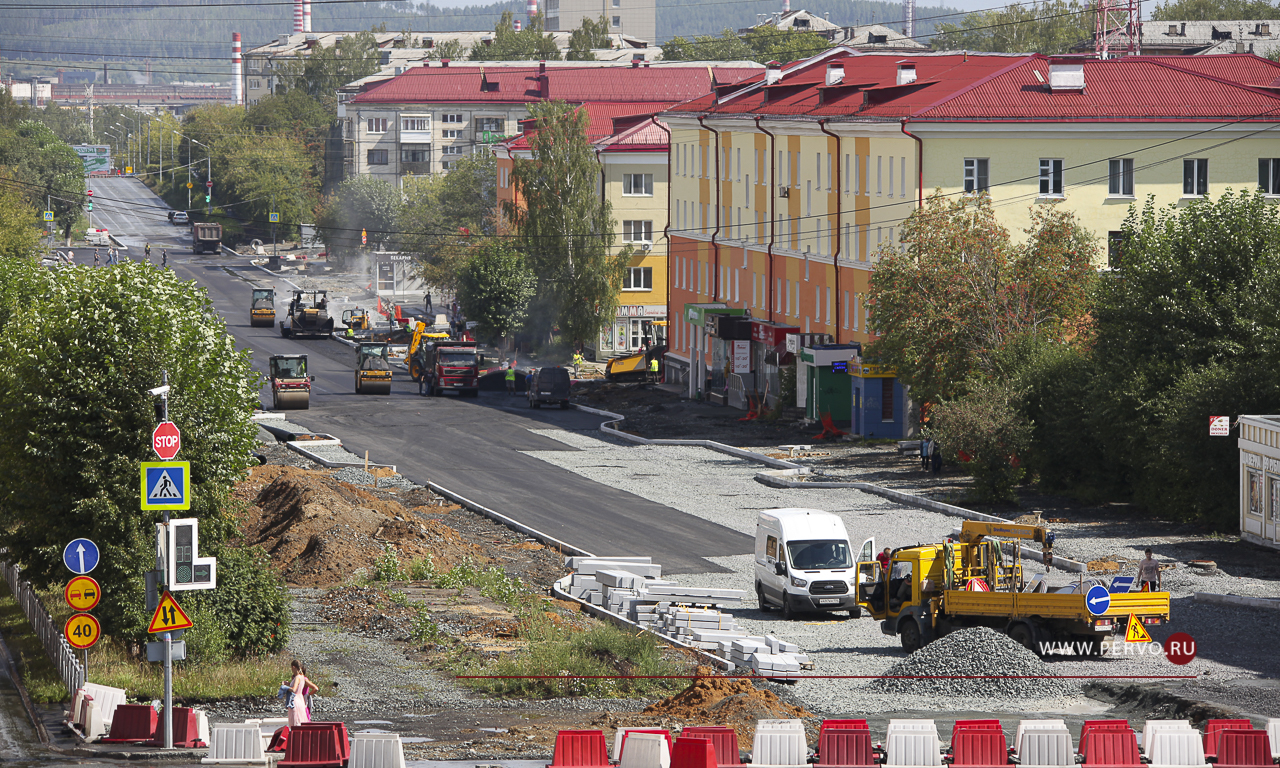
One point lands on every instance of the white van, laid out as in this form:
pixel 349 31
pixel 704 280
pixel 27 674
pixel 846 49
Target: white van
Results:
pixel 804 562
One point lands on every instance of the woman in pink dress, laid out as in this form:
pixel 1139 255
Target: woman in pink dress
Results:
pixel 299 687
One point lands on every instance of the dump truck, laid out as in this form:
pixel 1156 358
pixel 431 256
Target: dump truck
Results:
pixel 373 369
pixel 634 367
pixel 262 308
pixel 308 315
pixel 290 384
pixel 206 236
pixel 448 365
pixel 933 589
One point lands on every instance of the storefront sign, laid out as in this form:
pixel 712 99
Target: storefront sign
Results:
pixel 642 310
pixel 770 334
pixel 869 371
pixel 741 356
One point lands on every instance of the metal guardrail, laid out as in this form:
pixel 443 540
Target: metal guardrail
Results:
pixel 55 644
pixel 737 392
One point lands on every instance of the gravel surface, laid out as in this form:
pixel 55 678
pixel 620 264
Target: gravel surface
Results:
pixel 728 494
pixel 946 667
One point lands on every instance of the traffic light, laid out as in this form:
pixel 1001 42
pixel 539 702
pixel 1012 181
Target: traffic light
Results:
pixel 91 206
pixel 207 198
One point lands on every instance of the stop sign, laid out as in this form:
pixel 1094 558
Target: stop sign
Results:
pixel 166 440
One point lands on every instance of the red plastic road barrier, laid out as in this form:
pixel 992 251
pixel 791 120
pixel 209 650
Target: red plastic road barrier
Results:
pixel 973 725
pixel 1100 725
pixel 316 745
pixel 1244 749
pixel 186 730
pixel 1214 727
pixel 854 725
pixel 845 748
pixel 693 753
pixel 580 749
pixel 979 747
pixel 1112 749
pixel 132 723
pixel 279 739
pixel 723 738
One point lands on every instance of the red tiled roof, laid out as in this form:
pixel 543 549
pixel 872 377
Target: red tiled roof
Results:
pixel 643 137
pixel 455 84
pixel 601 119
pixel 979 87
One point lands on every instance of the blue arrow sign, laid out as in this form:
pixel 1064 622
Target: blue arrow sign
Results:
pixel 81 556
pixel 1097 599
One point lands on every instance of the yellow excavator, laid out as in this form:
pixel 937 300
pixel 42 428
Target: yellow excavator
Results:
pixel 420 335
pixel 356 319
pixel 933 589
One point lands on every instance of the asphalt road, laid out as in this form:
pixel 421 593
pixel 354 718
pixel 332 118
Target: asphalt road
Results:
pixel 471 446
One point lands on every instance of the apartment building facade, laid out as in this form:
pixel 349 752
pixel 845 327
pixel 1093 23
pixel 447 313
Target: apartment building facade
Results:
pixel 637 18
pixel 425 119
pixel 786 188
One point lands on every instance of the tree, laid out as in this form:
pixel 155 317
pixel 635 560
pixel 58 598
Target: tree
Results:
pixel 454 50
pixel 1214 10
pixel 564 226
pixel 494 288
pixel 364 203
pixel 771 44
pixel 260 173
pixel 986 431
pixel 19 224
pixel 438 209
pixel 326 69
pixel 1051 26
pixel 1188 327
pixel 591 35
pixel 75 367
pixel 529 44
pixel 42 166
pixel 962 293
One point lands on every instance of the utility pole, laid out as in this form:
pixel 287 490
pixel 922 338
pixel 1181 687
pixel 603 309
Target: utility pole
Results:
pixel 189 173
pixel 148 145
pixel 208 188
pixel 273 228
pixel 167 715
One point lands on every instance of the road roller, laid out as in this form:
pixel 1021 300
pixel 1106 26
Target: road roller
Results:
pixel 373 368
pixel 290 384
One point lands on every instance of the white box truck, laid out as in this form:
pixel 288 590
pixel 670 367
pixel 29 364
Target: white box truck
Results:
pixel 804 562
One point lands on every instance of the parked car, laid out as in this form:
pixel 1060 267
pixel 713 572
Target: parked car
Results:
pixel 180 218
pixel 549 385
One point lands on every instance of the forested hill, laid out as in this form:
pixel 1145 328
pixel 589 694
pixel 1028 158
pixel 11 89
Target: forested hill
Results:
pixel 193 42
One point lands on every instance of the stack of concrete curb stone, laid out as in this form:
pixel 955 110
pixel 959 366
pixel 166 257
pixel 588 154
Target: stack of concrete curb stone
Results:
pixel 632 588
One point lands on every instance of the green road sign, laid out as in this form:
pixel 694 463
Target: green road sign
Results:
pixel 275 218
pixel 48 215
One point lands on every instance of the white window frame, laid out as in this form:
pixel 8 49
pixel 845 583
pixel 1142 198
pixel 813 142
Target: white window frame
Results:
pixel 1120 177
pixel 977 175
pixel 633 227
pixel 638 279
pixel 1052 183
pixel 1198 180
pixel 1269 176
pixel 629 185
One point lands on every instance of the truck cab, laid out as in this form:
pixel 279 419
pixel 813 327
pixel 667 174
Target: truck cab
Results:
pixel 804 562
pixel 449 365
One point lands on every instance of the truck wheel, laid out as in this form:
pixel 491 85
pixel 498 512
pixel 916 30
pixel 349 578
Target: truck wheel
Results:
pixel 1022 634
pixel 788 613
pixel 764 604
pixel 855 612
pixel 909 633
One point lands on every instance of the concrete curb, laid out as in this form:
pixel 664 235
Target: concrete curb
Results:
pixel 298 449
pixel 1272 604
pixel 502 519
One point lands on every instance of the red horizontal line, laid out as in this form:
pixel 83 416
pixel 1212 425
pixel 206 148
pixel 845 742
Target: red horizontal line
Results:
pixel 791 676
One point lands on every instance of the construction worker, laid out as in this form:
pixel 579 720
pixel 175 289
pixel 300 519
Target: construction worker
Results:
pixel 164 257
pixel 653 369
pixel 511 377
pixel 95 258
pixel 148 250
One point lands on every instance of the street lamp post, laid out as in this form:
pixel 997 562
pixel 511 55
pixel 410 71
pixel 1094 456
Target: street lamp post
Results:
pixel 116 136
pixel 208 177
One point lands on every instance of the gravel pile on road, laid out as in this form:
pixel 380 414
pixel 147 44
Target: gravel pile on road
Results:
pixel 279 453
pixel 949 667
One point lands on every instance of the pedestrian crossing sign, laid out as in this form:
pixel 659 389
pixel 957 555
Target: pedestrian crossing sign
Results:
pixel 48 215
pixel 166 485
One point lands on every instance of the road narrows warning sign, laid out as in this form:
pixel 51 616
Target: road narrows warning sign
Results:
pixel 169 616
pixel 1136 633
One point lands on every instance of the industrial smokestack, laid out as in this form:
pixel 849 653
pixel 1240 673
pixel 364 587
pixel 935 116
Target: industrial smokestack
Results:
pixel 306 15
pixel 532 9
pixel 297 17
pixel 518 25
pixel 786 6
pixel 237 71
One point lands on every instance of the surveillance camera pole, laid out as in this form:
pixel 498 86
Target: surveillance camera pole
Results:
pixel 167 715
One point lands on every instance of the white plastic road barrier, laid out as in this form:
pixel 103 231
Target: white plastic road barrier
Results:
pixel 912 749
pixel 202 726
pixel 1182 747
pixel 619 736
pixel 1036 725
pixel 1046 748
pixel 107 699
pixel 779 743
pixel 1152 727
pixel 376 750
pixel 94 725
pixel 73 714
pixel 645 750
pixel 235 744
pixel 911 726
pixel 1273 735
pixel 268 727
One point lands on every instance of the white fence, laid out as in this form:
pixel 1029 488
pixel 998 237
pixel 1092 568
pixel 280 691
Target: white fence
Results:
pixel 55 644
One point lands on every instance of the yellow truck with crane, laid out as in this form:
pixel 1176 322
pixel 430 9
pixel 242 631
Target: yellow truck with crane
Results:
pixel 933 589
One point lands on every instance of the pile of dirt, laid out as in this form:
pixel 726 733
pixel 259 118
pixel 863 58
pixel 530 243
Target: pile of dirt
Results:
pixel 1104 566
pixel 320 531
pixel 716 700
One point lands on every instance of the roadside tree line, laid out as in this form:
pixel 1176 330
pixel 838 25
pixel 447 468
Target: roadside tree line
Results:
pixel 1029 363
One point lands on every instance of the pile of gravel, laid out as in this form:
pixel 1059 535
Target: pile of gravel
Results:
pixel 951 665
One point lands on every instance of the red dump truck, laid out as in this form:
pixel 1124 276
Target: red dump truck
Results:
pixel 206 236
pixel 449 365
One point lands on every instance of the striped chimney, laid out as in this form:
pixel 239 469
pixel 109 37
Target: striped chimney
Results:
pixel 237 71
pixel 786 6
pixel 532 8
pixel 306 15
pixel 518 25
pixel 297 17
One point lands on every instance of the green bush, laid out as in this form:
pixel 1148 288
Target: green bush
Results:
pixel 985 431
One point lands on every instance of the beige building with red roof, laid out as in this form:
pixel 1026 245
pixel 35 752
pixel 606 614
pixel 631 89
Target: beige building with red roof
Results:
pixel 784 188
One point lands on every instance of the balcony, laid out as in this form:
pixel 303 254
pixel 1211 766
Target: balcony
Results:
pixel 416 169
